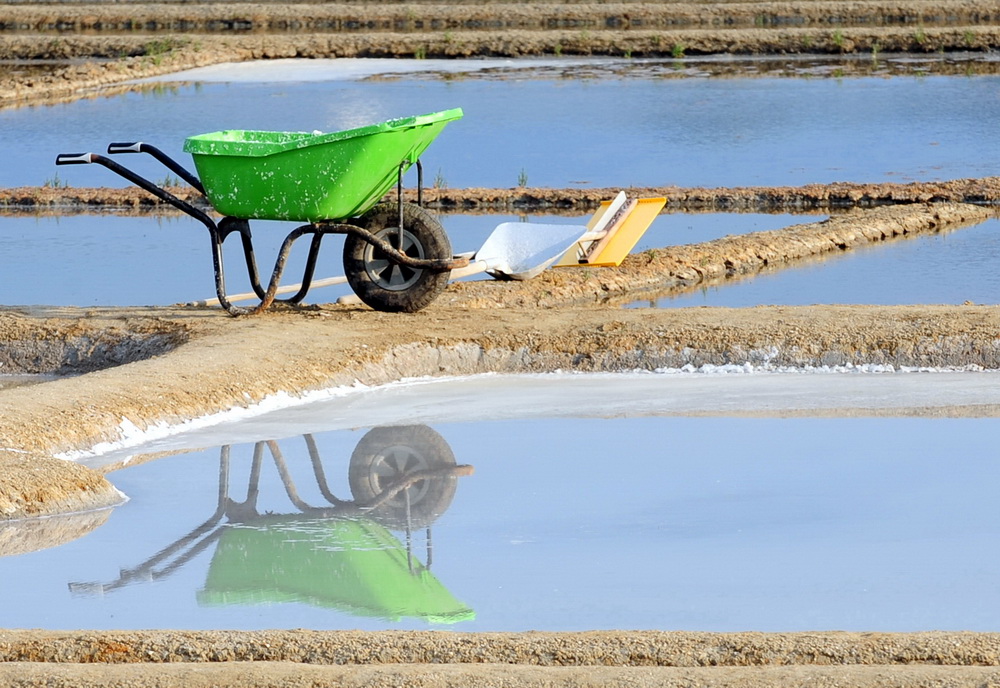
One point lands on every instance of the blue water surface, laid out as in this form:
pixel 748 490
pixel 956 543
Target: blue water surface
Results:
pixel 561 132
pixel 711 524
pixel 947 268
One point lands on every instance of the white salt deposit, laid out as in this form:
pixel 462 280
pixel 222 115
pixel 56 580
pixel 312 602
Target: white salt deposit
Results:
pixel 709 390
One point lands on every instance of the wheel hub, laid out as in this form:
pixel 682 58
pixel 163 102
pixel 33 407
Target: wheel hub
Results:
pixel 383 271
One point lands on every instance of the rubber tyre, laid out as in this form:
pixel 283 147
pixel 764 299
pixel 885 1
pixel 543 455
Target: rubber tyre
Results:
pixel 387 454
pixel 396 288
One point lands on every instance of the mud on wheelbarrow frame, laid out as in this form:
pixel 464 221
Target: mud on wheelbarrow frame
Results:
pixel 397 256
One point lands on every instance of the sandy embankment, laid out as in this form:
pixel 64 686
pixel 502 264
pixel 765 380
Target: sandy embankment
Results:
pixel 982 191
pixel 635 659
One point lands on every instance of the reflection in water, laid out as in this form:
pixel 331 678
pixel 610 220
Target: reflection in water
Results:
pixel 341 555
pixel 33 534
pixel 600 520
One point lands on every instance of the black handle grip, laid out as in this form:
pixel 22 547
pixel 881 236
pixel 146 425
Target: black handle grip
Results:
pixel 74 158
pixel 131 147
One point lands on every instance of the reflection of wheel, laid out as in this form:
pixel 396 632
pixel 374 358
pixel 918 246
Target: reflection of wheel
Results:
pixel 385 457
pixel 388 286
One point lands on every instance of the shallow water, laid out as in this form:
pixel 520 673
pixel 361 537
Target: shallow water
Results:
pixel 558 132
pixel 950 268
pixel 757 388
pixel 563 525
pixel 112 260
pixel 117 260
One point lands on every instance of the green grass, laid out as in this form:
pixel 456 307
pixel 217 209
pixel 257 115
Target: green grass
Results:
pixel 55 182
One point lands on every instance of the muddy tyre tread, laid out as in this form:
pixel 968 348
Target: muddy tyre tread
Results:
pixel 433 243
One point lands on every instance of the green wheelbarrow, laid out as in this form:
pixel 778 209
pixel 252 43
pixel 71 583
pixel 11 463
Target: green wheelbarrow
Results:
pixel 397 256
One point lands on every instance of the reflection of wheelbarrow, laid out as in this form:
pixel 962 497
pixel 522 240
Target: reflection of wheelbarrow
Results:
pixel 397 256
pixel 341 556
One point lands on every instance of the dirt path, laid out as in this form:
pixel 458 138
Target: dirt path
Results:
pixel 983 191
pixel 485 675
pixel 636 659
pixel 409 17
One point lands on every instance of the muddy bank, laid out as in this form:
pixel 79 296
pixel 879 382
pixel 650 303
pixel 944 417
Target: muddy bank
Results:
pixel 815 197
pixel 983 191
pixel 587 649
pixel 508 43
pixel 33 485
pixel 222 366
pixel 30 347
pixel 637 659
pixel 407 17
pixel 84 77
pixel 31 534
pixel 485 676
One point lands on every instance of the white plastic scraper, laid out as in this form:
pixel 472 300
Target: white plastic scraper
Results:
pixel 521 250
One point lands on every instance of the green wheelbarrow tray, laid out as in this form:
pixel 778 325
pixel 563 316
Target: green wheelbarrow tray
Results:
pixel 356 566
pixel 273 175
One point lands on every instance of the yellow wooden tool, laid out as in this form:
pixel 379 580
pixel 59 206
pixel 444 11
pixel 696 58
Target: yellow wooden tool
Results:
pixel 613 232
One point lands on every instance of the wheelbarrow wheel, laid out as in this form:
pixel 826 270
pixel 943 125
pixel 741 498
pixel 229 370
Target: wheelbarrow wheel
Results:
pixel 388 286
pixel 385 458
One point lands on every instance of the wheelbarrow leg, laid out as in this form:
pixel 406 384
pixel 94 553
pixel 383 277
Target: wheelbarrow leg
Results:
pixel 286 479
pixel 220 274
pixel 401 170
pixel 310 269
pixel 218 264
pixel 218 236
pixel 317 464
pixel 229 225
